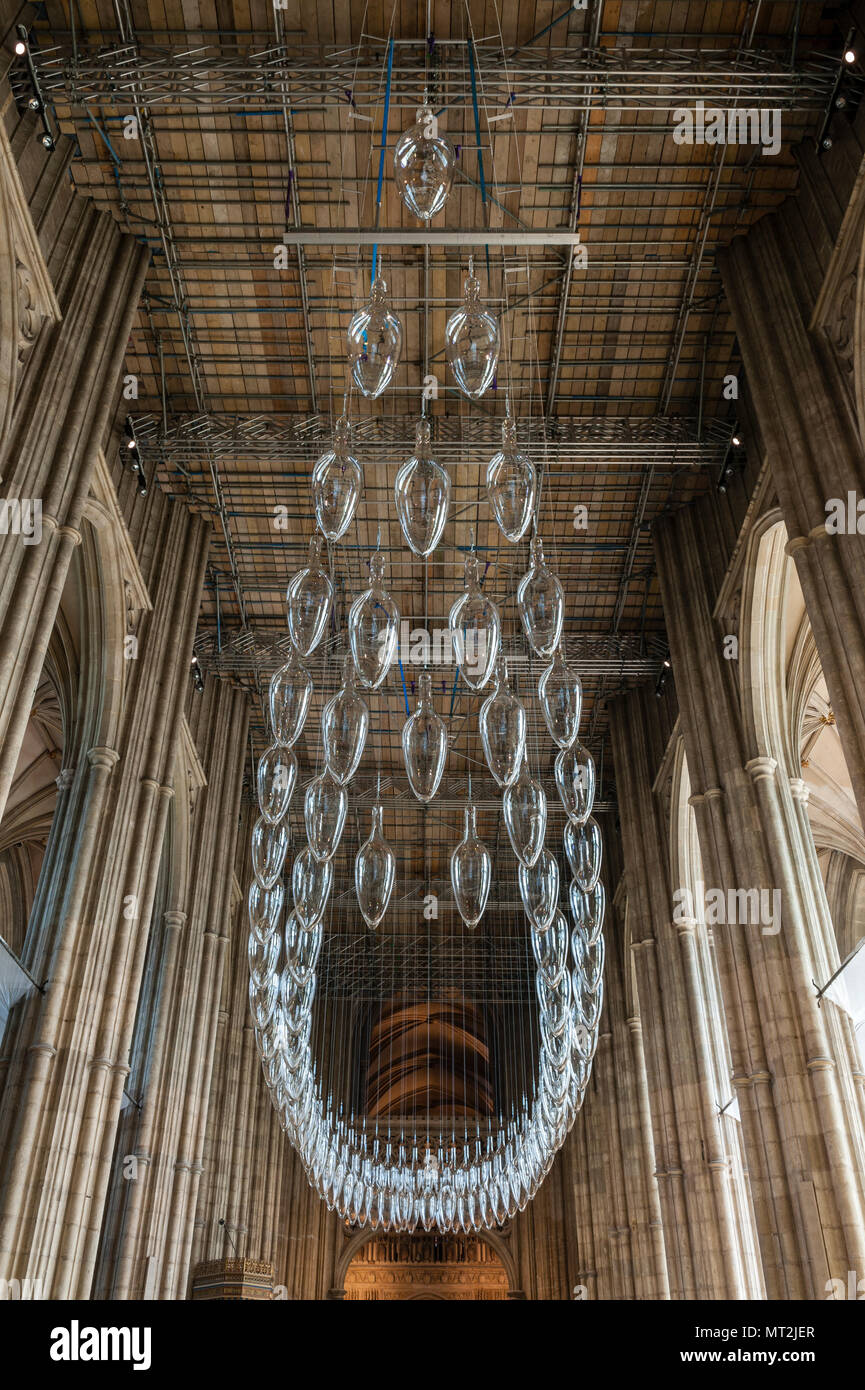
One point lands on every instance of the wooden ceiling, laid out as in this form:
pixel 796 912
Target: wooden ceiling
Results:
pixel 253 120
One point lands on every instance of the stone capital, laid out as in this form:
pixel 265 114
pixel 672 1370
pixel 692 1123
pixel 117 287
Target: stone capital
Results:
pixel 761 769
pixel 103 757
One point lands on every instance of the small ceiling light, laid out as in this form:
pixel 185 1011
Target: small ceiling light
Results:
pixel 850 56
pixel 667 662
pixel 736 441
pixel 35 104
pixel 20 48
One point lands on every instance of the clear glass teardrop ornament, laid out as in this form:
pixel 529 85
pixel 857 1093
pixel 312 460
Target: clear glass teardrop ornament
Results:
pixel 550 948
pixel 471 871
pixel 560 693
pixel 325 807
pixel 588 853
pixel 472 342
pixel 423 166
pixel 475 629
pixel 422 493
pixel 337 483
pixel 374 873
pixel 265 908
pixel 374 341
pixel 311 881
pixel 424 744
pixel 502 722
pixel 539 889
pixel 373 628
pixel 524 806
pixel 302 948
pixel 344 727
pixel 511 485
pixel 540 603
pixel 308 601
pixel 575 778
pixel 275 778
pixel 269 848
pixel 289 696
pixel 587 910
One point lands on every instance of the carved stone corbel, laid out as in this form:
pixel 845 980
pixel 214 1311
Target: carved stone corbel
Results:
pixel 27 296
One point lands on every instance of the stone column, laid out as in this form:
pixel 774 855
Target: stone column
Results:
pixel 701 1236
pixel 795 286
pixel 88 932
pixel 61 399
pixel 799 1139
pixel 181 1037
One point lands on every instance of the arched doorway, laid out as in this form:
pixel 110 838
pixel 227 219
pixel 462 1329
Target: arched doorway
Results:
pixel 395 1268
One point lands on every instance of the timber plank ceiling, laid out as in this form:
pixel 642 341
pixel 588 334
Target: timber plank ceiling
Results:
pixel 248 121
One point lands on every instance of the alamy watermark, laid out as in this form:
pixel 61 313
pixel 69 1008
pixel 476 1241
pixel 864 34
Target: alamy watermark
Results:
pixel 21 516
pixel 743 907
pixel 710 125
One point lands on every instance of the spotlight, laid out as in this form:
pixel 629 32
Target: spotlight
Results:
pixel 736 441
pixel 850 56
pixel 20 48
pixel 197 676
pixel 47 141
pixel 34 104
pixel 142 484
pixel 667 662
pixel 132 451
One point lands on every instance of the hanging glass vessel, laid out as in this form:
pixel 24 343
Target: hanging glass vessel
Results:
pixel 575 778
pixel 524 805
pixel 265 908
pixel 587 910
pixel 550 949
pixel 311 881
pixel 373 628
pixel 308 601
pixel 502 723
pixel 472 341
pixel 374 873
pixel 344 727
pixel 424 744
pixel 511 485
pixel 560 693
pixel 275 779
pixel 540 603
pixel 289 695
pixel 423 166
pixel 325 806
pixel 539 889
pixel 422 494
pixel 302 947
pixel 588 852
pixel 337 483
pixel 471 871
pixel 269 848
pixel 374 340
pixel 475 629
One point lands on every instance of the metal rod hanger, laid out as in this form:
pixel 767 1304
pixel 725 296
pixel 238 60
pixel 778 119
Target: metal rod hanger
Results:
pixel 415 236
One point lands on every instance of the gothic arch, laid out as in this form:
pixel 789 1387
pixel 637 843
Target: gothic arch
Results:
pixel 496 1242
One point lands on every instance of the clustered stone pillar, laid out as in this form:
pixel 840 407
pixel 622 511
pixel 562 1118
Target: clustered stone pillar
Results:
pixel 702 1238
pixel 609 1159
pixel 246 1157
pixel 64 392
pixel 88 936
pixel 800 1140
pixel 795 287
pixel 150 1253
